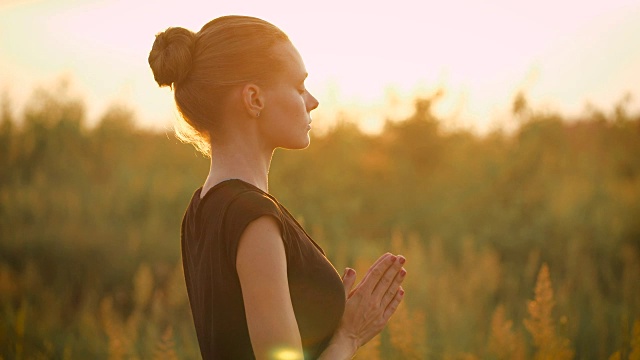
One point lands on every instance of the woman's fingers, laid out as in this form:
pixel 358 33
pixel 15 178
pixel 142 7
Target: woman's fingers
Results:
pixel 366 276
pixel 348 280
pixel 376 273
pixel 380 259
pixel 385 281
pixel 393 305
pixel 393 288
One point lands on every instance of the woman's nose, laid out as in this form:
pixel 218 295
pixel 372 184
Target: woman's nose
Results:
pixel 312 102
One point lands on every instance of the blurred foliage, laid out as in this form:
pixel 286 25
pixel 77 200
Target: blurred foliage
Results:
pixel 90 218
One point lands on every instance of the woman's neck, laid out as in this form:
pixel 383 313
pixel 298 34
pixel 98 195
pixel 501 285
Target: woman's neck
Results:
pixel 239 160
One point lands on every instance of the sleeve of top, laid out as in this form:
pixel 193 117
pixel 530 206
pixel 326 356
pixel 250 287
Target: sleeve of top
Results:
pixel 242 210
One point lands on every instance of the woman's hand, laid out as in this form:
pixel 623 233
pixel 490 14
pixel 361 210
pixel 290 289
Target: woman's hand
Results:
pixel 371 303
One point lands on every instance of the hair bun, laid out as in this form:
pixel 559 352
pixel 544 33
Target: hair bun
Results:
pixel 170 57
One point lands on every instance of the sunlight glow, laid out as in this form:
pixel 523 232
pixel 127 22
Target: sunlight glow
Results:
pixel 287 354
pixel 481 56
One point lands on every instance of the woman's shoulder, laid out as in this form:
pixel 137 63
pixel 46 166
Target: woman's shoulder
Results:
pixel 225 192
pixel 235 197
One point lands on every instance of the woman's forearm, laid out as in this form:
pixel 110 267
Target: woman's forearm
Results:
pixel 341 347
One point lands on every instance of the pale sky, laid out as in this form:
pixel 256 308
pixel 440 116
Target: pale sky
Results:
pixel 364 59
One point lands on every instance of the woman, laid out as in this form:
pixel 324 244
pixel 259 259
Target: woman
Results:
pixel 258 286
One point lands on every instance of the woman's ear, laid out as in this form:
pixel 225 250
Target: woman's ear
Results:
pixel 253 99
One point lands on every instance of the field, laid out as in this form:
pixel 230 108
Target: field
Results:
pixel 520 245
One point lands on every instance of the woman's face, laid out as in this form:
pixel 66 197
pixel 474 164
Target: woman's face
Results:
pixel 285 119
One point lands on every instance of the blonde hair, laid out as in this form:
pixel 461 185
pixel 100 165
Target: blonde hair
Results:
pixel 202 67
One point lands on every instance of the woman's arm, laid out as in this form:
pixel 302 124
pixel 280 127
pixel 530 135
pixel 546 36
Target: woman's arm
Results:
pixel 262 269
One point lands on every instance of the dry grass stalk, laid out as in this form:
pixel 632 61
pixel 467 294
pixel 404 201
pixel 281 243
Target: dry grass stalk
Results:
pixel 113 327
pixel 165 348
pixel 541 324
pixel 123 333
pixel 20 328
pixel 143 286
pixel 635 341
pixel 467 356
pixel 407 330
pixel 460 356
pixel 504 343
pixel 633 347
pixel 615 356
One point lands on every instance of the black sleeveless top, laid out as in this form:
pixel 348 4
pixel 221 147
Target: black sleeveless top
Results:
pixel 211 230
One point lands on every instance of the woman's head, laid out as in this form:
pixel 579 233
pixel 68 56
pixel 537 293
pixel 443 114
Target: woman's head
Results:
pixel 203 67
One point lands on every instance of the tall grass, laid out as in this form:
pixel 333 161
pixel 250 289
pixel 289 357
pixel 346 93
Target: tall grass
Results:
pixel 520 245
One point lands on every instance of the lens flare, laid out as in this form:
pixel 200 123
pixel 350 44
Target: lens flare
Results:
pixel 287 354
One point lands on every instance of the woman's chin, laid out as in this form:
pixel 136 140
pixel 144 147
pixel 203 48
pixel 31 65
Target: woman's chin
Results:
pixel 299 145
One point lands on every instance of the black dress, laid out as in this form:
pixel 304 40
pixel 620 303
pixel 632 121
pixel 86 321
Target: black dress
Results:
pixel 211 230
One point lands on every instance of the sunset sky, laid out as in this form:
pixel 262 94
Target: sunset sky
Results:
pixel 368 59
